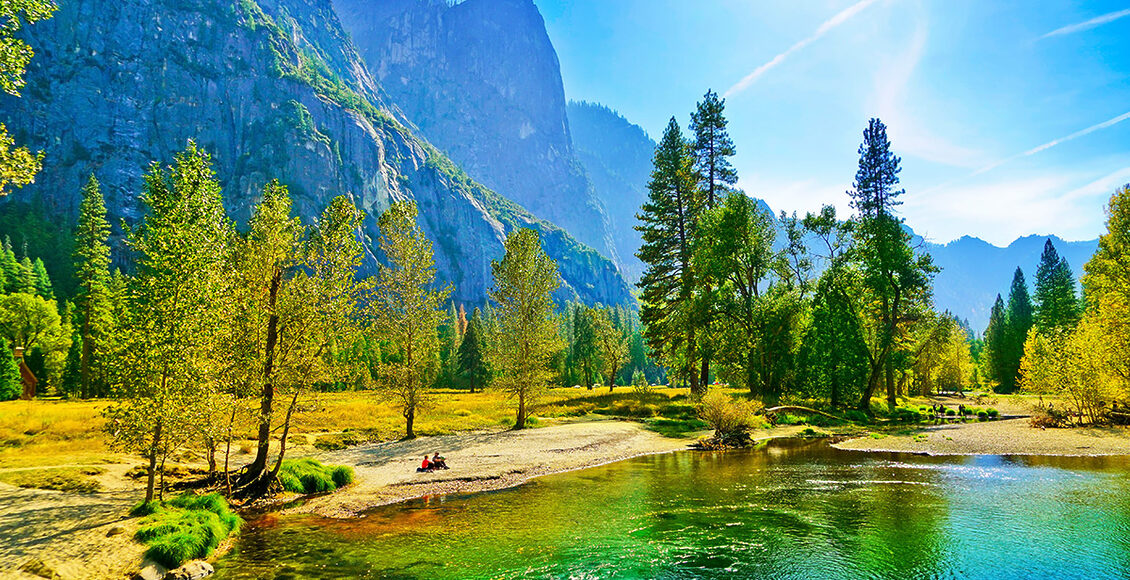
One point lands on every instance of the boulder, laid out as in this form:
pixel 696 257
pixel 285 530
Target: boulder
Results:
pixel 193 570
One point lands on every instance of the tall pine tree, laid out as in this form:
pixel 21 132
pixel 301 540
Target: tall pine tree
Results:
pixel 997 343
pixel 667 224
pixel 471 364
pixel 1057 305
pixel 1019 323
pixel 92 270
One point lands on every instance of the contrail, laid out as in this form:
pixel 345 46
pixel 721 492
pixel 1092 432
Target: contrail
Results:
pixel 1054 142
pixel 1096 21
pixel 827 26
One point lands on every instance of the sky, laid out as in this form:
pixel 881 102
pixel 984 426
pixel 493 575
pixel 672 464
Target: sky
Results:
pixel 1011 118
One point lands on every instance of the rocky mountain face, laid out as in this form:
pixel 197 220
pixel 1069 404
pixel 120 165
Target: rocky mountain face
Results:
pixel 272 89
pixel 617 156
pixel 480 80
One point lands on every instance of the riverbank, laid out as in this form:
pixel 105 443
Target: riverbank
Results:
pixel 1005 437
pixel 480 461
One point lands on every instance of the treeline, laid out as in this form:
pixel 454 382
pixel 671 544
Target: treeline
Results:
pixel 817 307
pixel 1067 344
pixel 217 332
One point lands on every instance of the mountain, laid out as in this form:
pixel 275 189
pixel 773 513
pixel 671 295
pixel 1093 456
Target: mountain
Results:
pixel 272 89
pixel 617 156
pixel 975 271
pixel 480 80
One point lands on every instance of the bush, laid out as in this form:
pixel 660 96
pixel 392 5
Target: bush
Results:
pixel 950 413
pixel 307 475
pixel 730 418
pixel 639 383
pixel 186 528
pixel 983 415
pixel 856 416
pixel 906 415
pixel 993 413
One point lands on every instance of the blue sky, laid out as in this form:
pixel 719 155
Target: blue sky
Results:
pixel 1012 118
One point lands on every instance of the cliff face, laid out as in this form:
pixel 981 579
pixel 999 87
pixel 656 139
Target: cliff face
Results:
pixel 270 89
pixel 617 156
pixel 481 81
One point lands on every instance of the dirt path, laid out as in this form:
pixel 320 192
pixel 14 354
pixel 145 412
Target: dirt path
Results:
pixel 1006 437
pixel 481 461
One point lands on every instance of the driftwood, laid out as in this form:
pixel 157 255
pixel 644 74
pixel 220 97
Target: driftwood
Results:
pixel 794 408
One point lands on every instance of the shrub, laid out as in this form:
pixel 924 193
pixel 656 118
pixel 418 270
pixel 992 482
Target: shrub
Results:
pixel 730 418
pixel 187 527
pixel 906 415
pixel 856 416
pixel 639 383
pixel 993 413
pixel 950 413
pixel 983 415
pixel 307 475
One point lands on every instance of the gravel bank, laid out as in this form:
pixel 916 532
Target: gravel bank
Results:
pixel 1006 437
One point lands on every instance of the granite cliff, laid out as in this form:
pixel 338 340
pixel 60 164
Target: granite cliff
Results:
pixel 272 89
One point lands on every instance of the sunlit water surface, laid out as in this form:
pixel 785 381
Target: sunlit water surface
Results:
pixel 791 510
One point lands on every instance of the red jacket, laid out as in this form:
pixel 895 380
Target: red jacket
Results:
pixel 425 464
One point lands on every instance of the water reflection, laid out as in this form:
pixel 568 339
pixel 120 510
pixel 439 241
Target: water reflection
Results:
pixel 794 509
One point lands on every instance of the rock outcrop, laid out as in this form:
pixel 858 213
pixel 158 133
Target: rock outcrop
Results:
pixel 481 81
pixel 272 89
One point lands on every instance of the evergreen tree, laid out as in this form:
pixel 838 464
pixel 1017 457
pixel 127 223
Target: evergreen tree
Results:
pixel 11 384
pixel 92 300
pixel 26 282
pixel 667 226
pixel 42 280
pixel 12 274
pixel 408 311
pixel 998 344
pixel 715 177
pixel 897 279
pixel 1057 306
pixel 1019 323
pixel 584 348
pixel 471 364
pixel 526 338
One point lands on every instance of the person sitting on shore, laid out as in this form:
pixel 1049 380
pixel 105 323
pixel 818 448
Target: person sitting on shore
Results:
pixel 439 462
pixel 425 467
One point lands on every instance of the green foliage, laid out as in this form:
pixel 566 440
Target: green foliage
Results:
pixel 308 476
pixel 472 364
pixel 93 315
pixel 1057 306
pixel 186 528
pixel 18 166
pixel 11 386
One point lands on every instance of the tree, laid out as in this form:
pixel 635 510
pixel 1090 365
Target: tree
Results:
pixel 92 300
pixel 585 350
pixel 1057 306
pixel 42 280
pixel 1107 284
pixel 715 177
pixel 997 344
pixel 471 363
pixel 1019 323
pixel 833 359
pixel 29 321
pixel 667 225
pixel 526 338
pixel 407 310
pixel 10 267
pixel 897 280
pixel 612 343
pixel 18 166
pixel 177 306
pixel 11 383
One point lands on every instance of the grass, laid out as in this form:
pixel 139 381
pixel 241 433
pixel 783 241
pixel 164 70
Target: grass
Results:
pixel 71 479
pixel 185 528
pixel 44 433
pixel 307 475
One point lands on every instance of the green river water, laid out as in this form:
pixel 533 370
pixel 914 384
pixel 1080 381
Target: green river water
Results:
pixel 793 509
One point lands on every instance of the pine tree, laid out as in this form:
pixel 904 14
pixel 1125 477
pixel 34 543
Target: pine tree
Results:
pixel 11 383
pixel 42 280
pixel 715 177
pixel 997 343
pixel 874 190
pixel 12 274
pixel 1057 306
pixel 667 226
pixel 526 338
pixel 1019 323
pixel 407 311
pixel 92 303
pixel 471 363
pixel 584 348
pixel 26 280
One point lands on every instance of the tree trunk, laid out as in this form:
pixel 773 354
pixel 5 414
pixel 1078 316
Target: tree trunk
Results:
pixel 520 422
pixel 285 434
pixel 265 405
pixel 704 372
pixel 410 420
pixel 210 446
pixel 152 476
pixel 892 395
pixel 227 451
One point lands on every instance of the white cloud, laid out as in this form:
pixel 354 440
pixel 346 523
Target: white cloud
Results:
pixel 906 129
pixel 841 17
pixel 1089 24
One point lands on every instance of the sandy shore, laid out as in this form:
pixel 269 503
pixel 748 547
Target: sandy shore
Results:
pixel 480 461
pixel 77 535
pixel 1005 437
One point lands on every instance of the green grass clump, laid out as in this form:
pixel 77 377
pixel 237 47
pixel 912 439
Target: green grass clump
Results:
pixel 185 528
pixel 307 475
pixel 856 416
pixel 993 413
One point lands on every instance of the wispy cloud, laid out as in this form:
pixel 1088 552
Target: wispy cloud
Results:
pixel 1054 142
pixel 1089 24
pixel 828 25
